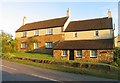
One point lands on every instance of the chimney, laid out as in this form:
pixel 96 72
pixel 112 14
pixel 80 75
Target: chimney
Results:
pixel 24 19
pixel 109 14
pixel 68 12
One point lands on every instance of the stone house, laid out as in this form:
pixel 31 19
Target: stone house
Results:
pixel 87 40
pixel 117 41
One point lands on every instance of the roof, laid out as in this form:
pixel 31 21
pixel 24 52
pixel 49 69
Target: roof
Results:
pixel 101 44
pixel 90 24
pixel 51 23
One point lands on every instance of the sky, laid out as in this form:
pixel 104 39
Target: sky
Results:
pixel 12 13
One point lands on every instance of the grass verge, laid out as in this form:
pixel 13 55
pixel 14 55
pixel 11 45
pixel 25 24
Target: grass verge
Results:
pixel 84 71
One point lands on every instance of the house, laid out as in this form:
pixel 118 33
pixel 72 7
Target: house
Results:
pixel 117 41
pixel 87 40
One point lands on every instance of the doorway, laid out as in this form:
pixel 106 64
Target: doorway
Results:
pixel 71 57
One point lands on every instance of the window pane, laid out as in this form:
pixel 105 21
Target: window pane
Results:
pixel 24 34
pixel 49 31
pixel 23 45
pixel 36 33
pixel 35 45
pixel 49 45
pixel 93 53
pixel 79 53
pixel 64 53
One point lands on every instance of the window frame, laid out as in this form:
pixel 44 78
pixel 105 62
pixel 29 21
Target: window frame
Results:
pixel 36 45
pixel 75 35
pixel 23 45
pixel 78 53
pixel 64 53
pixel 49 45
pixel 93 54
pixel 36 32
pixel 96 33
pixel 24 34
pixel 49 31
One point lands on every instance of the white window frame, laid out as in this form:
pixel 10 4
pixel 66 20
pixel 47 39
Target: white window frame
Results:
pixel 36 33
pixel 96 33
pixel 118 43
pixel 64 53
pixel 75 34
pixel 93 53
pixel 35 45
pixel 48 44
pixel 79 53
pixel 24 34
pixel 23 45
pixel 49 31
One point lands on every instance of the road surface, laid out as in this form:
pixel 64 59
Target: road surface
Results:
pixel 12 71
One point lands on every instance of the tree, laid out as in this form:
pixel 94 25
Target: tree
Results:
pixel 8 44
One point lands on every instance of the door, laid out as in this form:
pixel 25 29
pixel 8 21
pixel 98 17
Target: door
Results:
pixel 71 57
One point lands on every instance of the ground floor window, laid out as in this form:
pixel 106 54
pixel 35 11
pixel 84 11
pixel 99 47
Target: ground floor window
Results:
pixel 35 45
pixel 48 44
pixel 23 45
pixel 93 53
pixel 64 52
pixel 79 53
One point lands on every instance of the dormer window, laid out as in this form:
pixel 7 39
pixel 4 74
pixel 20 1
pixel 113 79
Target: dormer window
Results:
pixel 96 33
pixel 36 33
pixel 24 34
pixel 49 31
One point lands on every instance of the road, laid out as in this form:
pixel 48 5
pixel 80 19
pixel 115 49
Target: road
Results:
pixel 12 71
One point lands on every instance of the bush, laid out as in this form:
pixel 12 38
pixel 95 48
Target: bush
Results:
pixel 117 55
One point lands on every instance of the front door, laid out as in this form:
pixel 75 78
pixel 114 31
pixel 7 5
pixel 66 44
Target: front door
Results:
pixel 71 57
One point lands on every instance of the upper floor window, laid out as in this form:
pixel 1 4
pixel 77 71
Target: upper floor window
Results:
pixel 35 45
pixel 36 33
pixel 24 34
pixel 79 53
pixel 64 53
pixel 49 45
pixel 23 45
pixel 93 53
pixel 75 34
pixel 49 31
pixel 96 33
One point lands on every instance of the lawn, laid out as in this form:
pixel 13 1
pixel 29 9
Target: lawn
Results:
pixel 87 71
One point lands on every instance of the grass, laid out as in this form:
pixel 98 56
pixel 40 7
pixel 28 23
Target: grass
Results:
pixel 82 71
pixel 86 71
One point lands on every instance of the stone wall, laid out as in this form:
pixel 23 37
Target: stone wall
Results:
pixel 41 43
pixel 103 56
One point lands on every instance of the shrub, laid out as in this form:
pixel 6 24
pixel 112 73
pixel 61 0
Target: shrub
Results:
pixel 117 55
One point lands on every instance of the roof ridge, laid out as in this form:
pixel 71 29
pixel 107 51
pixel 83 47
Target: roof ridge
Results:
pixel 89 19
pixel 47 20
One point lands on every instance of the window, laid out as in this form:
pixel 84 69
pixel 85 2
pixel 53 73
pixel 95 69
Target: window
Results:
pixel 23 45
pixel 36 33
pixel 49 31
pixel 79 53
pixel 49 45
pixel 64 52
pixel 75 34
pixel 119 44
pixel 93 53
pixel 24 34
pixel 35 45
pixel 96 33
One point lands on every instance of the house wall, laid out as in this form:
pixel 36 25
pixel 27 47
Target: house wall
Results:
pixel 117 41
pixel 41 43
pixel 84 35
pixel 56 30
pixel 103 56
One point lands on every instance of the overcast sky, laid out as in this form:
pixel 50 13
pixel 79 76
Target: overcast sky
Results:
pixel 12 13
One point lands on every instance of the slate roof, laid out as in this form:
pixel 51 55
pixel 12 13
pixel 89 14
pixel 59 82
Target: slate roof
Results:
pixel 51 23
pixel 100 44
pixel 90 24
